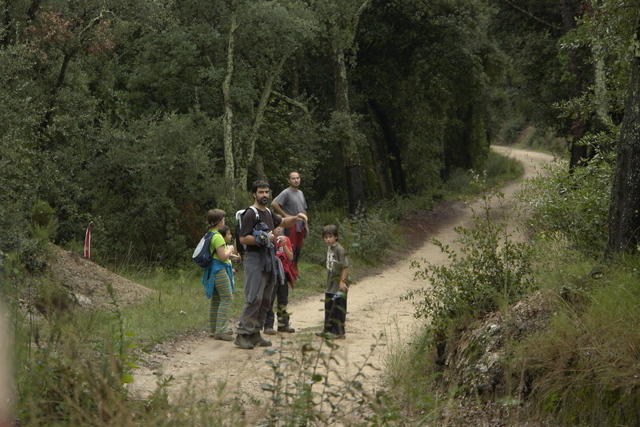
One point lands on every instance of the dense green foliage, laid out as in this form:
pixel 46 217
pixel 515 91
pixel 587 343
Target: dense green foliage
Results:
pixel 571 206
pixel 117 113
pixel 567 74
pixel 136 115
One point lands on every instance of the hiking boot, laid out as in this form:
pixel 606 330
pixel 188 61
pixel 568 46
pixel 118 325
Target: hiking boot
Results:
pixel 257 340
pixel 244 342
pixel 222 337
pixel 270 331
pixel 285 328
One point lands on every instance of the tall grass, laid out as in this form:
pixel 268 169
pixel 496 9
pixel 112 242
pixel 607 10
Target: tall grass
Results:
pixel 584 366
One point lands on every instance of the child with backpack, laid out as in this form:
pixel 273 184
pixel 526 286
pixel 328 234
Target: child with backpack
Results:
pixel 284 252
pixel 217 278
pixel 335 306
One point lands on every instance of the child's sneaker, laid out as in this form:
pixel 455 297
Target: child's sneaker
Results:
pixel 286 328
pixel 244 342
pixel 270 331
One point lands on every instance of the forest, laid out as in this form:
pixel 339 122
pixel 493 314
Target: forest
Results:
pixel 138 116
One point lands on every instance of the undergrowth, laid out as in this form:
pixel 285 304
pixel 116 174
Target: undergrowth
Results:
pixel 583 367
pixel 486 270
pixel 574 205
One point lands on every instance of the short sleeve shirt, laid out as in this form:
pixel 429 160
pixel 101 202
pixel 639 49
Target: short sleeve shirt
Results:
pixel 272 220
pixel 336 261
pixel 292 201
pixel 216 241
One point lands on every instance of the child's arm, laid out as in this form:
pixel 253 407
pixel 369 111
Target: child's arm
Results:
pixel 223 252
pixel 233 254
pixel 344 274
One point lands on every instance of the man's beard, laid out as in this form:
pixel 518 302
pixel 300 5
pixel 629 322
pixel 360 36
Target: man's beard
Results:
pixel 263 201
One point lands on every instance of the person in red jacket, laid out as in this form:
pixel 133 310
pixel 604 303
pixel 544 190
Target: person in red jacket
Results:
pixel 284 252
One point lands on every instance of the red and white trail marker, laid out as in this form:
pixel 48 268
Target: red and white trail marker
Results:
pixel 87 242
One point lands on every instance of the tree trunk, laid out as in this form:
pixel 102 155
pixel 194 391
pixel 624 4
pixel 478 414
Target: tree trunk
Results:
pixel 624 212
pixel 600 82
pixel 259 167
pixel 7 27
pixel 578 153
pixel 62 73
pixel 250 145
pixel 353 167
pixel 380 157
pixel 392 149
pixel 227 118
pixel 33 10
pixel 341 82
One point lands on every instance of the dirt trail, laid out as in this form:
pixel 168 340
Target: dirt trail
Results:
pixel 374 308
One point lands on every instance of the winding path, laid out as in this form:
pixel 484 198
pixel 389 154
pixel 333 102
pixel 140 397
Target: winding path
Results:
pixel 376 314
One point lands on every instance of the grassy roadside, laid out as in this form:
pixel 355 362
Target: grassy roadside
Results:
pixel 576 367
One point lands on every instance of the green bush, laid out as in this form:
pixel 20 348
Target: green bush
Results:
pixel 489 269
pixel 573 205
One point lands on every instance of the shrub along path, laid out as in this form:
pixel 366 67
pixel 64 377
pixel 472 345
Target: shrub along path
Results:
pixel 376 315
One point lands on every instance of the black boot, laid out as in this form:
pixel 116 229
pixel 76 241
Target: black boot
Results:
pixel 244 342
pixel 257 340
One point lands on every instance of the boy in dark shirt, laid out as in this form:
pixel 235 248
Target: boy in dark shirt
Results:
pixel 335 305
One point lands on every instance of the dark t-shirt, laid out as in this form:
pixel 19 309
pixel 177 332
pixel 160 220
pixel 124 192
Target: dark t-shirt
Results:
pixel 336 262
pixel 272 220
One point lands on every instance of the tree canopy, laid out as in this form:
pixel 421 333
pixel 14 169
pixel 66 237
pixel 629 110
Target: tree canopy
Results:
pixel 139 115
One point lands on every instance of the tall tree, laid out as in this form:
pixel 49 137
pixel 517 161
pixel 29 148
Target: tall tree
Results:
pixel 341 19
pixel 271 32
pixel 624 214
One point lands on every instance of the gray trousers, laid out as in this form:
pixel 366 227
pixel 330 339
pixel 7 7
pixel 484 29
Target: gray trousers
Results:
pixel 258 291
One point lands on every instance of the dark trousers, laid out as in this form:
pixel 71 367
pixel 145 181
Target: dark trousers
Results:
pixel 258 292
pixel 282 298
pixel 335 313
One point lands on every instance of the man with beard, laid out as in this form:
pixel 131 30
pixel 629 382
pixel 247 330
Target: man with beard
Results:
pixel 291 202
pixel 260 265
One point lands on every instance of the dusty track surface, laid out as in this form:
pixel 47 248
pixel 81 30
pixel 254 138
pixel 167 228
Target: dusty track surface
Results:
pixel 375 308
